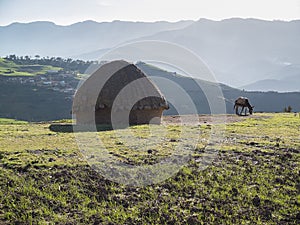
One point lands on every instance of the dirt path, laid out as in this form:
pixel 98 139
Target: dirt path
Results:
pixel 206 119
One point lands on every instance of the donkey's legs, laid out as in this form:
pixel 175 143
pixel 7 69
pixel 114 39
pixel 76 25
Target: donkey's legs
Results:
pixel 242 110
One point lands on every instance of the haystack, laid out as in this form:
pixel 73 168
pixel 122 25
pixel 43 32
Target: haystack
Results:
pixel 118 92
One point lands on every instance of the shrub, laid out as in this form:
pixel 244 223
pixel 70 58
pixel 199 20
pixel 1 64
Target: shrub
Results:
pixel 288 109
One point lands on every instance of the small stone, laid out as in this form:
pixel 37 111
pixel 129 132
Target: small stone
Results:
pixel 51 160
pixel 256 201
pixel 252 143
pixel 193 220
pixel 234 191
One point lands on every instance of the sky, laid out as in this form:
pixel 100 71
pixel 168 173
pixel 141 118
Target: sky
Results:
pixel 65 12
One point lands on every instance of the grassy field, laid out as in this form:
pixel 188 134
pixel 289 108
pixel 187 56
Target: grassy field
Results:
pixel 9 68
pixel 254 178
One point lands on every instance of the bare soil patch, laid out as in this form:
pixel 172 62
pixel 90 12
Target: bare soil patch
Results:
pixel 207 119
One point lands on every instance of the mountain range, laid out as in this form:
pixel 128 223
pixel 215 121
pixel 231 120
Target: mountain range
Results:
pixel 250 54
pixel 287 78
pixel 48 39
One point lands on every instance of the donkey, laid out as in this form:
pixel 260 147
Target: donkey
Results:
pixel 242 102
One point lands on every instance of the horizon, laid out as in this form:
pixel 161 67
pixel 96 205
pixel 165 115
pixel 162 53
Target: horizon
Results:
pixel 90 20
pixel 74 11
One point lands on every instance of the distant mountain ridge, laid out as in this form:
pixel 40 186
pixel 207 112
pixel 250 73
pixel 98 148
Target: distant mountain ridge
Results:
pixel 240 52
pixel 285 79
pixel 274 84
pixel 49 39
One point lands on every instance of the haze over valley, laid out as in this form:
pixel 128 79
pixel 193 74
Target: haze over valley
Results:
pixel 250 54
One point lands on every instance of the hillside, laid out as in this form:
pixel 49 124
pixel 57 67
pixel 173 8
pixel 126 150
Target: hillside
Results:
pixel 37 89
pixel 48 96
pixel 263 101
pixel 32 103
pixel 10 68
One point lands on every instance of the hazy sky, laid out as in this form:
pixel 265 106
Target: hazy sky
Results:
pixel 70 11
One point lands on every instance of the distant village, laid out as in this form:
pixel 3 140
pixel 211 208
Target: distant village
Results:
pixel 61 81
pixel 65 79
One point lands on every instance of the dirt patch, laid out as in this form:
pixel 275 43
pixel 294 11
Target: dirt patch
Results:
pixel 206 119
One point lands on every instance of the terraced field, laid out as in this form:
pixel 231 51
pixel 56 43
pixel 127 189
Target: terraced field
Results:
pixel 252 178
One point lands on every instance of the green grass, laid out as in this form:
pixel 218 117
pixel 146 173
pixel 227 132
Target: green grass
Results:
pixel 9 68
pixel 44 179
pixel 32 103
pixel 4 121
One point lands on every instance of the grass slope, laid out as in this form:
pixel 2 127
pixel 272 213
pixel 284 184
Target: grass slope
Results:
pixel 9 68
pixel 254 179
pixel 31 103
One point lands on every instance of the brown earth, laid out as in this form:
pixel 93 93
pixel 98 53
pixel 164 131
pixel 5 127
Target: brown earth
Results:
pixel 205 119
